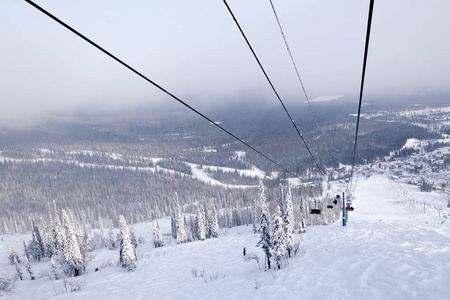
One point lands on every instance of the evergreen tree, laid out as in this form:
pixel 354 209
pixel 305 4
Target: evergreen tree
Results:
pixel 173 223
pixel 12 255
pixel 201 228
pixel 255 217
pixel 102 233
pixel 36 244
pixel 278 239
pixel 264 225
pixel 28 267
pixel 133 238
pixel 72 253
pixel 18 271
pixel 26 251
pixel 181 228
pixel 127 257
pixel 54 269
pixel 60 242
pixel 289 222
pixel 214 223
pixel 112 237
pixel 157 236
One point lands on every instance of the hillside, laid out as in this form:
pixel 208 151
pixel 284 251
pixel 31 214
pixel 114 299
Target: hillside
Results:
pixel 389 250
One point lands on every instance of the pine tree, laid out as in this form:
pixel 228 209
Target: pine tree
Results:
pixel 173 223
pixel 133 238
pixel 112 237
pixel 102 233
pixel 278 239
pixel 157 236
pixel 255 217
pixel 28 267
pixel 60 242
pixel 26 251
pixel 127 257
pixel 18 271
pixel 54 269
pixel 264 227
pixel 214 223
pixel 201 228
pixel 181 228
pixel 12 255
pixel 36 244
pixel 289 222
pixel 72 253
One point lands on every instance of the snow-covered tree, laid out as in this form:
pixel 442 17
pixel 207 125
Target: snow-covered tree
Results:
pixel 278 239
pixel 255 217
pixel 157 236
pixel 26 251
pixel 28 267
pixel 214 223
pixel 201 228
pixel 18 271
pixel 73 258
pixel 289 222
pixel 181 227
pixel 36 245
pixel 102 233
pixel 264 225
pixel 112 237
pixel 87 240
pixel 12 254
pixel 127 257
pixel 60 239
pixel 54 269
pixel 133 237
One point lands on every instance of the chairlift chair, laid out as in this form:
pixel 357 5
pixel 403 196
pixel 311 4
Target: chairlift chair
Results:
pixel 315 210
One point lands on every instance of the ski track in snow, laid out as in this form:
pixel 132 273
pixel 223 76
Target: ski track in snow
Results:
pixel 388 250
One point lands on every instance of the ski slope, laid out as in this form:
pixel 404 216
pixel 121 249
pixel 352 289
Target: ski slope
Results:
pixel 388 250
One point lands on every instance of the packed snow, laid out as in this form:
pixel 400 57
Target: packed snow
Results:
pixel 391 248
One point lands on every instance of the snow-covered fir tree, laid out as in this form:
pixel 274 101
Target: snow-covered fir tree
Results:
pixel 18 270
pixel 181 227
pixel 264 226
pixel 278 239
pixel 214 223
pixel 289 222
pixel 36 245
pixel 87 240
pixel 102 233
pixel 255 217
pixel 112 237
pixel 54 269
pixel 72 254
pixel 157 236
pixel 201 228
pixel 12 255
pixel 127 256
pixel 60 242
pixel 28 268
pixel 133 237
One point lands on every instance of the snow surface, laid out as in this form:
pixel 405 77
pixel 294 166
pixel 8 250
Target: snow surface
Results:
pixel 389 249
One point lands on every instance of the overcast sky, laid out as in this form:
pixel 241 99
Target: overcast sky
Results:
pixel 194 50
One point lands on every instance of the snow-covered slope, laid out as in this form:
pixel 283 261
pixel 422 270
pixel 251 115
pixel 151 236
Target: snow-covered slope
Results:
pixel 389 250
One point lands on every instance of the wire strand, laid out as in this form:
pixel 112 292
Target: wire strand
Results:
pixel 300 80
pixel 366 50
pixel 158 86
pixel 276 93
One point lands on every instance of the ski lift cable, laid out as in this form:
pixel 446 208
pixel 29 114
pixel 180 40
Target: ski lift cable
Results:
pixel 158 86
pixel 300 80
pixel 366 50
pixel 276 93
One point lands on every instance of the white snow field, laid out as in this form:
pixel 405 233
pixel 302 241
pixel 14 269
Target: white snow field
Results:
pixel 388 250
